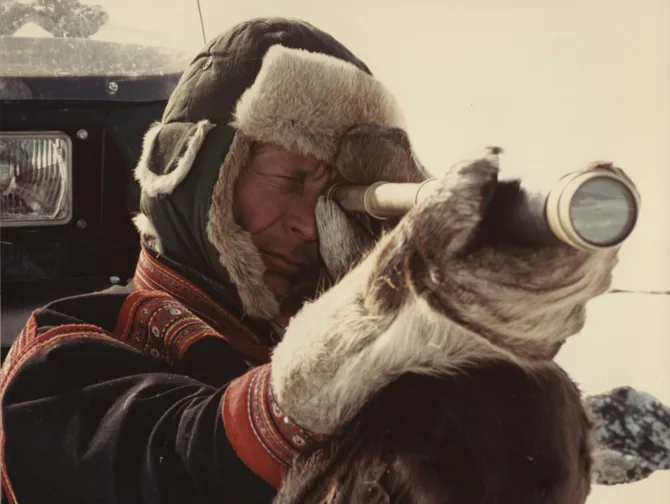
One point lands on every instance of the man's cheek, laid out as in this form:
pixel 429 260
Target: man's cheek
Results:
pixel 264 211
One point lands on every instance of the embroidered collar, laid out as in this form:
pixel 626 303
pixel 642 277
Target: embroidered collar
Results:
pixel 151 274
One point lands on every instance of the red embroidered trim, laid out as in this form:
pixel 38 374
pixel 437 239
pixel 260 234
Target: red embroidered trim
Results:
pixel 158 325
pixel 234 412
pixel 151 275
pixel 28 343
pixel 282 438
pixel 260 433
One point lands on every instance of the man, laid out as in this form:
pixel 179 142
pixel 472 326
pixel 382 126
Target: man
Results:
pixel 174 388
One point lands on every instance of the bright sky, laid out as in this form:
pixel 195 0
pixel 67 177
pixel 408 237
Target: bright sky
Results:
pixel 556 83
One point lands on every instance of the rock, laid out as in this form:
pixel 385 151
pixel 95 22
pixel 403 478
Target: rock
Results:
pixel 632 435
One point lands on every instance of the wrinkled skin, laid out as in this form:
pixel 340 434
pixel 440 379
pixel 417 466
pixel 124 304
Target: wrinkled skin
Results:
pixel 275 201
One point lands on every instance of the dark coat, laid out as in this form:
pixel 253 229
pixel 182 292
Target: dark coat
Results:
pixel 108 398
pixel 118 396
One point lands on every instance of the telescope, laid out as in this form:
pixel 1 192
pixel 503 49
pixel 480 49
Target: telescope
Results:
pixel 591 209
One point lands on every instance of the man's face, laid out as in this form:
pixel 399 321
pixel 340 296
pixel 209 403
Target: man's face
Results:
pixel 274 200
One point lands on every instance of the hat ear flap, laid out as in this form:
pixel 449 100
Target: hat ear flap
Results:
pixel 374 152
pixel 172 147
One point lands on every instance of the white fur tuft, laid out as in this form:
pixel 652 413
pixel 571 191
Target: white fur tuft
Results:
pixel 147 231
pixel 417 340
pixel 340 243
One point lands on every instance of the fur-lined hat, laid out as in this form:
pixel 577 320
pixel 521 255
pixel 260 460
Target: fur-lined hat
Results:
pixel 266 80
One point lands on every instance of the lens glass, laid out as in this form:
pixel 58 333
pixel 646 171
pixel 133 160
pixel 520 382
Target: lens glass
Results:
pixel 603 211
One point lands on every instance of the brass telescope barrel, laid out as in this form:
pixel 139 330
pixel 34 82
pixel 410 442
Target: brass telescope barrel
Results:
pixel 588 210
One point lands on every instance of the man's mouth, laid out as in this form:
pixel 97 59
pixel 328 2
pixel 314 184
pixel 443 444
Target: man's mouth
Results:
pixel 282 263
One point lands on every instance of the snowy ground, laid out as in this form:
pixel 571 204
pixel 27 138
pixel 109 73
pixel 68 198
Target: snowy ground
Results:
pixel 626 341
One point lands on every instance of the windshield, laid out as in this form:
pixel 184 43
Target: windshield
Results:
pixel 40 38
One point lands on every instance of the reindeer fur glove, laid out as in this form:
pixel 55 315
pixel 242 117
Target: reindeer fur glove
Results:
pixel 428 298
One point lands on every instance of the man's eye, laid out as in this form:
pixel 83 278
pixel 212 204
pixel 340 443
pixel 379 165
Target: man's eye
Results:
pixel 295 183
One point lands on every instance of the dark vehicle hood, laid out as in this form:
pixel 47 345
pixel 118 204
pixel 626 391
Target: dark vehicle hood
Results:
pixel 32 69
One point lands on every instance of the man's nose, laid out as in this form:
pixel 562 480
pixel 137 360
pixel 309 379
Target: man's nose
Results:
pixel 303 220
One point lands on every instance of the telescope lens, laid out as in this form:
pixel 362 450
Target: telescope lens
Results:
pixel 603 211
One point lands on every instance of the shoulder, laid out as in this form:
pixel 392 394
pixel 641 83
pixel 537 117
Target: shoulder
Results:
pixel 149 329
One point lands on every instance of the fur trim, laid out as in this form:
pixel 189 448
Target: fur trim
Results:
pixel 153 184
pixel 305 101
pixel 142 172
pixel 147 232
pixel 237 252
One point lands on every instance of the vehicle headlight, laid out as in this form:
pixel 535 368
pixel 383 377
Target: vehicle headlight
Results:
pixel 35 178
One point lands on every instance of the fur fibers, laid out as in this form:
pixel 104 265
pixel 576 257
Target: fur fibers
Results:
pixel 237 251
pixel 491 433
pixel 427 300
pixel 306 101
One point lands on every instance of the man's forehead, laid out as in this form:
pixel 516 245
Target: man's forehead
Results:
pixel 273 153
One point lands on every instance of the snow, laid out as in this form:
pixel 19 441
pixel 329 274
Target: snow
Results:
pixel 626 341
